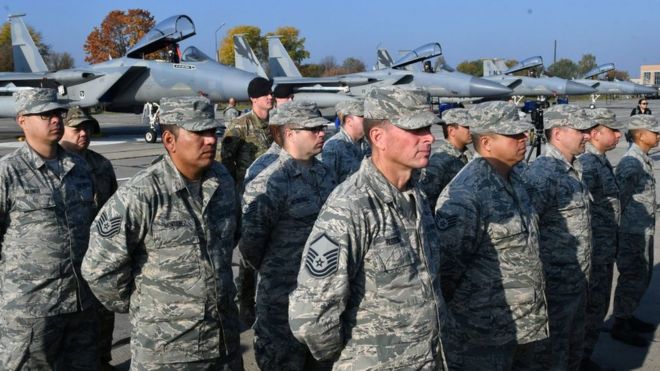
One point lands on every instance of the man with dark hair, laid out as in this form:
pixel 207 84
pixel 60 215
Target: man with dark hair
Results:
pixel 46 207
pixel 161 249
pixel 282 94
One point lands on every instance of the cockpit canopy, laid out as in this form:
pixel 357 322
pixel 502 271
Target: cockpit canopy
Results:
pixel 170 31
pixel 525 64
pixel 192 54
pixel 422 53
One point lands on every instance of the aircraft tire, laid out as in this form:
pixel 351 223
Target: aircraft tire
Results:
pixel 150 136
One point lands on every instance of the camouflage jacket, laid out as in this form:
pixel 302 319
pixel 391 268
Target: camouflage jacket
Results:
pixel 343 156
pixel 561 200
pixel 158 253
pixel 44 231
pixel 103 176
pixel 245 139
pixel 491 271
pixel 598 175
pixel 443 166
pixel 634 174
pixel 279 209
pixel 262 162
pixel 368 288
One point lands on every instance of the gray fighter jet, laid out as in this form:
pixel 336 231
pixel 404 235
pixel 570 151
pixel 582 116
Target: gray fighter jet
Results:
pixel 525 86
pixel 616 87
pixel 130 83
pixel 283 70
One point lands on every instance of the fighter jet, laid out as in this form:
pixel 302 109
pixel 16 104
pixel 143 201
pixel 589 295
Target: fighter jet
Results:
pixel 130 83
pixel 525 86
pixel 283 70
pixel 616 87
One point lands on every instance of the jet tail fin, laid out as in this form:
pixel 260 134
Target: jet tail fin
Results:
pixel 384 59
pixel 25 52
pixel 490 69
pixel 244 57
pixel 279 61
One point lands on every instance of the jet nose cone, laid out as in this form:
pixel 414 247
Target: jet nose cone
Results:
pixel 645 90
pixel 485 88
pixel 574 88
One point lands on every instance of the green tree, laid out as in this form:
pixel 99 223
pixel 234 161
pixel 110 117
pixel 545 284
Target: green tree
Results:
pixel 293 43
pixel 312 70
pixel 564 68
pixel 252 35
pixel 352 65
pixel 474 68
pixel 59 61
pixel 586 63
pixel 6 57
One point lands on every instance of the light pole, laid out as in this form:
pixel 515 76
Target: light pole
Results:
pixel 217 49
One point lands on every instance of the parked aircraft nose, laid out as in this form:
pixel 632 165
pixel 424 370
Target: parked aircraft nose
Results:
pixel 574 88
pixel 485 88
pixel 645 90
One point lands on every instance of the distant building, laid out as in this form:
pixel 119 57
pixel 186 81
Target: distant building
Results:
pixel 650 74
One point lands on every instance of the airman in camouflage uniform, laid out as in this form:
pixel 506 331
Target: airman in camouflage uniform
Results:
pixel 46 207
pixel 598 175
pixel 161 249
pixel 245 139
pixel 368 294
pixel 343 152
pixel 78 128
pixel 560 197
pixel 634 261
pixel 450 156
pixel 491 273
pixel 279 209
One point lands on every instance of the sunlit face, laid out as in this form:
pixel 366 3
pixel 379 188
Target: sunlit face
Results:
pixel 605 138
pixel 408 148
pixel 306 142
pixel 357 125
pixel 461 135
pixel 76 138
pixel 42 128
pixel 193 150
pixel 651 138
pixel 508 149
pixel 573 140
pixel 264 102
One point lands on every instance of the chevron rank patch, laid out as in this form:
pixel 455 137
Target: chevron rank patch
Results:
pixel 108 227
pixel 322 257
pixel 445 222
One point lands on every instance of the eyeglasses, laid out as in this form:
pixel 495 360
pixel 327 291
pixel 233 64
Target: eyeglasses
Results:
pixel 315 130
pixel 644 103
pixel 48 115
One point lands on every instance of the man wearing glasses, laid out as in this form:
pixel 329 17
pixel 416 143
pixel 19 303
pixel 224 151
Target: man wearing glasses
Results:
pixel 642 108
pixel 46 208
pixel 279 209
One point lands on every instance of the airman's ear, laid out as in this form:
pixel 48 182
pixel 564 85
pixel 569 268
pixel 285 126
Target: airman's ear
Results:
pixel 169 141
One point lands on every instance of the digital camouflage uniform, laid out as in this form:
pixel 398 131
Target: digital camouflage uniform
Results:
pixel 46 320
pixel 279 209
pixel 445 162
pixel 561 200
pixel 164 256
pixel 634 261
pixel 341 154
pixel 262 162
pixel 368 294
pixel 598 175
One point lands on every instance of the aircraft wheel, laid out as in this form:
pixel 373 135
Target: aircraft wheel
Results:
pixel 150 136
pixel 592 106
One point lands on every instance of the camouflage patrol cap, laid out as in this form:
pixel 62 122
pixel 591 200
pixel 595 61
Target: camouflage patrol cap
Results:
pixel 489 113
pixel 459 116
pixel 567 115
pixel 405 109
pixel 77 116
pixel 605 117
pixel 190 113
pixel 39 100
pixel 302 114
pixel 503 127
pixel 648 122
pixel 354 108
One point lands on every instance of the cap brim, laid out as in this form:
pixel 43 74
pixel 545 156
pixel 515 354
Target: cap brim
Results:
pixel 46 107
pixel 314 122
pixel 416 120
pixel 201 125
pixel 511 127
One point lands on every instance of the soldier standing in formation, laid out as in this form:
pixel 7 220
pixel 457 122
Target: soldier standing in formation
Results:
pixel 491 273
pixel 450 157
pixel 78 128
pixel 161 248
pixel 279 209
pixel 46 208
pixel 598 175
pixel 245 139
pixel 230 112
pixel 368 294
pixel 634 260
pixel 561 199
pixel 343 153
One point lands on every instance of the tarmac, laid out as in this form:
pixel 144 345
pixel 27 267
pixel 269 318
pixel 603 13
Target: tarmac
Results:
pixel 122 143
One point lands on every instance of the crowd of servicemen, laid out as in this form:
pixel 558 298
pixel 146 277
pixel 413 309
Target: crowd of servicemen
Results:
pixel 366 251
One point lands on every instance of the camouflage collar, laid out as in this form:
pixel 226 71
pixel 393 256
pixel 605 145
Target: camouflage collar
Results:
pixel 634 148
pixel 262 123
pixel 37 161
pixel 552 152
pixel 446 147
pixel 378 183
pixel 174 181
pixel 589 148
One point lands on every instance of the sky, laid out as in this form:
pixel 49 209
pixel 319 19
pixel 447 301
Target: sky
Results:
pixel 614 31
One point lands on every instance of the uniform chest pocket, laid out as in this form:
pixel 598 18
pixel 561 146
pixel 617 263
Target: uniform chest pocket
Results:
pixel 29 202
pixel 571 200
pixel 391 253
pixel 303 209
pixel 171 233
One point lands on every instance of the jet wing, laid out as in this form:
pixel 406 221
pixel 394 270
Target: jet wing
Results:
pixel 48 79
pixel 338 80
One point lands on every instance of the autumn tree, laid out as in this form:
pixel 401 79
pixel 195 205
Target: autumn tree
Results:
pixel 6 54
pixel 618 75
pixel 118 32
pixel 353 65
pixel 292 42
pixel 586 64
pixel 474 68
pixel 251 34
